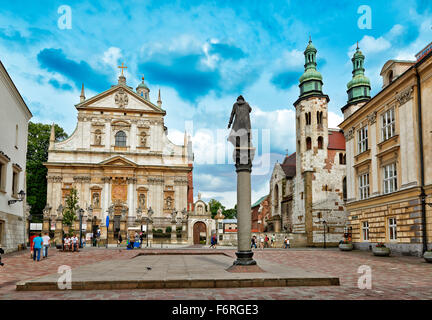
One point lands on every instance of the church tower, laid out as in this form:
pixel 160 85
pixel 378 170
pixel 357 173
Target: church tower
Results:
pixel 143 90
pixel 312 142
pixel 311 114
pixel 359 86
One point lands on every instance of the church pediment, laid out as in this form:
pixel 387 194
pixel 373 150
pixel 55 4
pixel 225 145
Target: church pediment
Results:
pixel 118 161
pixel 121 98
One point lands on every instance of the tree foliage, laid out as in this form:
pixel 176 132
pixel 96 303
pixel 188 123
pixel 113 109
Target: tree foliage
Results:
pixel 71 208
pixel 36 172
pixel 215 205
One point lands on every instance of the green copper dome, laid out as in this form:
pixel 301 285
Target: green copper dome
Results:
pixel 142 84
pixel 359 86
pixel 311 79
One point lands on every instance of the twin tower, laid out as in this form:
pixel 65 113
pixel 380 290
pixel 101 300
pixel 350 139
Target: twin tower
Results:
pixel 311 106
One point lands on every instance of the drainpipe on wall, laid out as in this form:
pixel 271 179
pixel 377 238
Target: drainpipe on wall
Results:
pixel 422 194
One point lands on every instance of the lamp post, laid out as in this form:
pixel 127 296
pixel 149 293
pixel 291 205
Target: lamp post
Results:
pixel 80 211
pixel 21 196
pixel 325 227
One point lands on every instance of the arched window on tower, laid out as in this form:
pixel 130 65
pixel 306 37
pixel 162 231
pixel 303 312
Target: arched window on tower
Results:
pixel 308 118
pixel 308 143
pixel 319 117
pixel 341 158
pixel 120 139
pixel 320 142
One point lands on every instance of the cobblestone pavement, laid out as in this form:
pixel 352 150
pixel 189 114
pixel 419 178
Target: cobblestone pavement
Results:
pixel 392 277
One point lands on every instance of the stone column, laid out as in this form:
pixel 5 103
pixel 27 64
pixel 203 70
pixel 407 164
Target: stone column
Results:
pixel 106 198
pixel 240 137
pixel 244 253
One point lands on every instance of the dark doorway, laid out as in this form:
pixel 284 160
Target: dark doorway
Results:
pixel 116 226
pixel 199 233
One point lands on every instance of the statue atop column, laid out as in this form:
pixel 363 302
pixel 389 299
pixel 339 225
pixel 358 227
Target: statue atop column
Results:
pixel 240 135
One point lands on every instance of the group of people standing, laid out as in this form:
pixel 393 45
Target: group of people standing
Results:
pixel 263 241
pixel 131 240
pixel 38 244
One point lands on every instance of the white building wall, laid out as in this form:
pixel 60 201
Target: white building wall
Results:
pixel 13 112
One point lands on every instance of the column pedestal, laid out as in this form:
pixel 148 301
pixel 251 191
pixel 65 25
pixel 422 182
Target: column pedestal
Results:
pixel 58 234
pixel 174 233
pixel 45 225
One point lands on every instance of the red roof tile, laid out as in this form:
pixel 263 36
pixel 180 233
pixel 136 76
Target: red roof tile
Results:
pixel 289 165
pixel 336 140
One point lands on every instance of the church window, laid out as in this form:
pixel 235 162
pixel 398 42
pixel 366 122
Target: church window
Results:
pixel 308 118
pixel 319 117
pixel 316 85
pixel 320 142
pixel 276 196
pixel 308 143
pixel 388 125
pixel 120 139
pixel 341 158
pixel 363 139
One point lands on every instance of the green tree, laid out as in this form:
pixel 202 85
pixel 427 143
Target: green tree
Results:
pixel 214 206
pixel 36 172
pixel 230 213
pixel 69 212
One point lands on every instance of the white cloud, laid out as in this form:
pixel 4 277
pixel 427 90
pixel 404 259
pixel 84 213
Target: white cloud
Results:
pixel 334 120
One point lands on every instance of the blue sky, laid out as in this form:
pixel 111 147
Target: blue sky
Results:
pixel 202 55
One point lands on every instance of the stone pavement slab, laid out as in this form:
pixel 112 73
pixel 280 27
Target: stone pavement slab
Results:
pixel 178 271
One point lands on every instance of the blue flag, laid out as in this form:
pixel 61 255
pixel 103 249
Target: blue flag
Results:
pixel 107 221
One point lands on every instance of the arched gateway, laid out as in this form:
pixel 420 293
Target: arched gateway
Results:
pixel 199 233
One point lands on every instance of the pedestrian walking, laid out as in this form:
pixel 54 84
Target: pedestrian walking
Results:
pixel 119 240
pixel 141 239
pixel 137 239
pixel 31 245
pixel 266 241
pixel 212 242
pixel 262 242
pixel 131 241
pixel 37 246
pixel 253 242
pixel 273 240
pixel 46 243
pixel 288 243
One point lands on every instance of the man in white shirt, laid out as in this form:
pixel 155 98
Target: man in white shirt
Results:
pixel 46 243
pixel 75 242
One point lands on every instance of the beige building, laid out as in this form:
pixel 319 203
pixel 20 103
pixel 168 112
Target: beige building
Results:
pixel 121 161
pixel 389 156
pixel 13 150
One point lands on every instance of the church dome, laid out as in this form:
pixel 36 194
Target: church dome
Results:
pixel 310 74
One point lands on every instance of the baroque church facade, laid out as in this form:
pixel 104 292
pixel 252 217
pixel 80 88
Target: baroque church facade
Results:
pixel 307 190
pixel 121 162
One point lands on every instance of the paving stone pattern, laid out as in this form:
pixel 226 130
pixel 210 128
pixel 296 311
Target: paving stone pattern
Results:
pixel 396 277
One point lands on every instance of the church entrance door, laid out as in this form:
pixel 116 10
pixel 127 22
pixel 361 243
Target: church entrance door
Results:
pixel 199 233
pixel 116 226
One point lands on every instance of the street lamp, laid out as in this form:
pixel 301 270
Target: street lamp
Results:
pixel 325 227
pixel 21 196
pixel 80 211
